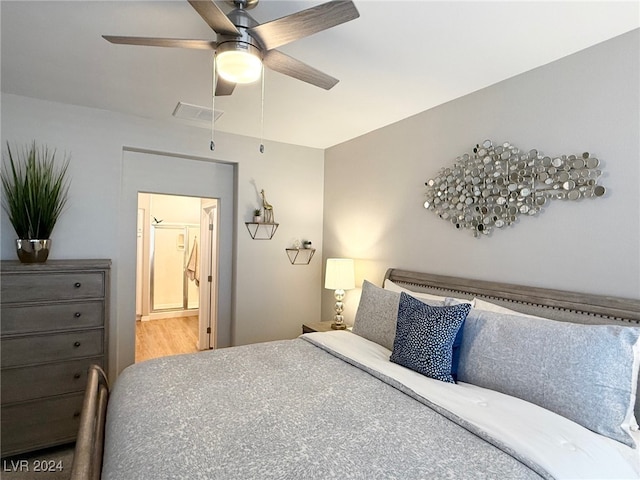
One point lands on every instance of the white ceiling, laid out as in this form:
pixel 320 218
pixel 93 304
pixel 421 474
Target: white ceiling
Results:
pixel 398 59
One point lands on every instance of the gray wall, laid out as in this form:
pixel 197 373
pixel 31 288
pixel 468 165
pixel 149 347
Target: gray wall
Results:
pixel 374 185
pixel 271 297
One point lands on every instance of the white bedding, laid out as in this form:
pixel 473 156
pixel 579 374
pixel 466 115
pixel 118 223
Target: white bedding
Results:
pixel 562 447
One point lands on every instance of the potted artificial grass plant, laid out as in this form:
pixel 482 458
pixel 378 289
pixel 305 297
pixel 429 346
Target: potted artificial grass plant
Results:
pixel 35 192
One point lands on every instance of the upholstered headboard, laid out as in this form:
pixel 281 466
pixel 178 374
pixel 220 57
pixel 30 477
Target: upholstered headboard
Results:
pixel 550 303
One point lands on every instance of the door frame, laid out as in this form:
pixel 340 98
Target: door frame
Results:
pixel 145 170
pixel 208 302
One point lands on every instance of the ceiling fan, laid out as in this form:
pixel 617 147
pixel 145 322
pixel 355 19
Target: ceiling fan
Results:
pixel 243 45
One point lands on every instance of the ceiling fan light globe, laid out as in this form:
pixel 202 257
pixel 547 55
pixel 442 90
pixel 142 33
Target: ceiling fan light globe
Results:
pixel 238 66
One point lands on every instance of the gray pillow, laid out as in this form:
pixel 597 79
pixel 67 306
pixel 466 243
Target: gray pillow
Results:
pixel 586 373
pixel 377 315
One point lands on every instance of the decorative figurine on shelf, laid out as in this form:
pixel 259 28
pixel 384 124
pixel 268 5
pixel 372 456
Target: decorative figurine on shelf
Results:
pixel 268 209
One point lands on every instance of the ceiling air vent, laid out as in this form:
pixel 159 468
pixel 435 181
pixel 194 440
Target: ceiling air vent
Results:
pixel 187 111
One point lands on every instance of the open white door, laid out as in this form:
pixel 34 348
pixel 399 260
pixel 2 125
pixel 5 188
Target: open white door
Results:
pixel 139 263
pixel 208 308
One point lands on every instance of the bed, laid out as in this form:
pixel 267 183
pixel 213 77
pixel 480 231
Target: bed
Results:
pixel 524 403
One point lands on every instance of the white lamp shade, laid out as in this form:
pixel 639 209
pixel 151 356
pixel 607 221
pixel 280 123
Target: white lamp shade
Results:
pixel 339 274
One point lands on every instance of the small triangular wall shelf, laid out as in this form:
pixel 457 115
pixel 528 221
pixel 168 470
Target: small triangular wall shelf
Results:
pixel 300 256
pixel 261 231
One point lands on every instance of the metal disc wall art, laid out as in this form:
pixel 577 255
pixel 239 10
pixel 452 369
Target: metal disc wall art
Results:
pixel 497 184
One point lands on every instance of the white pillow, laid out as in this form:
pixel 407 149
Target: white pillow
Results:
pixel 450 301
pixel 394 287
pixel 492 307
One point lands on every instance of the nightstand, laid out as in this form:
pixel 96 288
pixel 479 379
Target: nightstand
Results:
pixel 316 327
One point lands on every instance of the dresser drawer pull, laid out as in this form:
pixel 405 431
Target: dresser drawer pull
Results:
pixel 76 344
pixel 76 376
pixel 77 284
pixel 76 414
pixel 77 314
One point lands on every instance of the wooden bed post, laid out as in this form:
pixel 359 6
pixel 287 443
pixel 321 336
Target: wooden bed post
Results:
pixel 87 458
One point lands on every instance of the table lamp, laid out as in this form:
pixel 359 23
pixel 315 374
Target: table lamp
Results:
pixel 339 277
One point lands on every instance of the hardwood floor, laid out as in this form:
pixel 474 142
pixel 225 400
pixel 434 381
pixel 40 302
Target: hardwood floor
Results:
pixel 170 336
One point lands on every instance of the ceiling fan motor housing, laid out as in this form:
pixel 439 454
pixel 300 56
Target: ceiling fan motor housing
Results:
pixel 243 21
pixel 234 44
pixel 239 57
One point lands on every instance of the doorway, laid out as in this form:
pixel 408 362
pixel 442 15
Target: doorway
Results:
pixel 147 171
pixel 176 272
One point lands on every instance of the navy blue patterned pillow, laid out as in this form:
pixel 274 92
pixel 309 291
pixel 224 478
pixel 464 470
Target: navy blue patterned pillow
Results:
pixel 425 336
pixel 455 357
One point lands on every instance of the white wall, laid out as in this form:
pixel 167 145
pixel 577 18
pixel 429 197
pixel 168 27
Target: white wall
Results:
pixel 586 102
pixel 168 209
pixel 272 297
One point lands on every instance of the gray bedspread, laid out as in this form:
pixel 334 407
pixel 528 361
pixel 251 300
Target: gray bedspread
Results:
pixel 285 410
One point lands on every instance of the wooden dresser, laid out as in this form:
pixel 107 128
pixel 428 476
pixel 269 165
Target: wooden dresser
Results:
pixel 53 326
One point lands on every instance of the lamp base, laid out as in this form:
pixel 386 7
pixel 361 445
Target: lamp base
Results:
pixel 339 326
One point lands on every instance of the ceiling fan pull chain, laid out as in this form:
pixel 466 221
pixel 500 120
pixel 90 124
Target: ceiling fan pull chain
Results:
pixel 212 145
pixel 262 114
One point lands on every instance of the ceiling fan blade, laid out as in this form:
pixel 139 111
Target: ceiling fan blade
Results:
pixel 287 65
pixel 224 87
pixel 302 24
pixel 214 17
pixel 162 42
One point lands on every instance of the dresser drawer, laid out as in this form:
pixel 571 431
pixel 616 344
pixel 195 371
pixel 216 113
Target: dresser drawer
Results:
pixel 34 349
pixel 32 425
pixel 52 286
pixel 56 316
pixel 30 383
